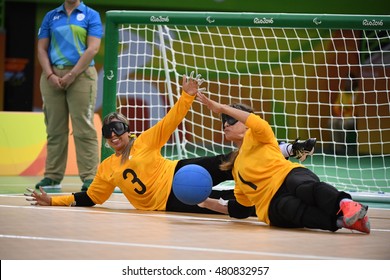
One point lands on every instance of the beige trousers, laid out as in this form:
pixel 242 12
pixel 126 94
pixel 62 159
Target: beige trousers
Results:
pixel 77 103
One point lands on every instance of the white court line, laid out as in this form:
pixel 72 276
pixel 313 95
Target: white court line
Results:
pixel 154 214
pixel 21 195
pixel 179 248
pixel 157 215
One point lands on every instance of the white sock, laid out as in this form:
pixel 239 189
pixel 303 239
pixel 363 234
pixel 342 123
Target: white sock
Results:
pixel 285 148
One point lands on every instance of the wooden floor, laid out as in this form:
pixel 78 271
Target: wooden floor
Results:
pixel 116 231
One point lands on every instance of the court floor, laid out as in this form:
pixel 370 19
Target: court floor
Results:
pixel 116 231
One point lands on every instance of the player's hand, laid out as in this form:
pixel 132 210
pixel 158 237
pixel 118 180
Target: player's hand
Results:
pixel 38 199
pixel 212 105
pixel 191 84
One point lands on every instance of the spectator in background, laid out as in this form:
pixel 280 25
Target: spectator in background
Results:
pixel 68 40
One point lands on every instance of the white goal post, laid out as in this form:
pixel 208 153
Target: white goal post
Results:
pixel 323 76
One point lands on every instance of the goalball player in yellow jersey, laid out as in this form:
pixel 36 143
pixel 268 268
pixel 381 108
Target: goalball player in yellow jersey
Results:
pixel 285 194
pixel 137 166
pixel 140 171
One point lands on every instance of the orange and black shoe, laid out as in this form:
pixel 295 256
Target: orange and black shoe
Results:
pixel 362 225
pixel 352 211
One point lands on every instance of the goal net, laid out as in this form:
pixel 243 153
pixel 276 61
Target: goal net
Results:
pixel 322 76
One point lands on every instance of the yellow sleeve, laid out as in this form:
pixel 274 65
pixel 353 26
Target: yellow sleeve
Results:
pixel 62 200
pixel 158 135
pixel 241 197
pixel 261 129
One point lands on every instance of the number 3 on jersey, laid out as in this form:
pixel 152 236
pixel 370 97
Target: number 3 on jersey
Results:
pixel 135 180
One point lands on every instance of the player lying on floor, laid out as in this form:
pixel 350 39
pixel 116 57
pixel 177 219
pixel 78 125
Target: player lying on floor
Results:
pixel 284 194
pixel 142 173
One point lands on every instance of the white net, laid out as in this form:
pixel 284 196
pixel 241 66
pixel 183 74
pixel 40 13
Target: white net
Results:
pixel 328 84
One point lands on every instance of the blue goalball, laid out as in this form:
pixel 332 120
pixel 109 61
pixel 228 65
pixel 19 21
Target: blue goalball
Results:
pixel 192 184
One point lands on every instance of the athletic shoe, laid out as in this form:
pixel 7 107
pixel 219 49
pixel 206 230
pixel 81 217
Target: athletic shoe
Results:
pixel 301 149
pixel 352 211
pixel 86 184
pixel 362 225
pixel 48 183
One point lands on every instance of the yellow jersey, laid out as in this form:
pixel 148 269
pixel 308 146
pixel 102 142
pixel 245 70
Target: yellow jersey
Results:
pixel 260 168
pixel 146 177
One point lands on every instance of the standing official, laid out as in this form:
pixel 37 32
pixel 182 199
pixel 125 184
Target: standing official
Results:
pixel 68 40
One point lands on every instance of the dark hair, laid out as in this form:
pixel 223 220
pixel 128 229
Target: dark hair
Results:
pixel 122 118
pixel 242 107
pixel 228 164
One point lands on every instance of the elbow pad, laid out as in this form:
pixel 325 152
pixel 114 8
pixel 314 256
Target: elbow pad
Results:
pixel 82 199
pixel 238 211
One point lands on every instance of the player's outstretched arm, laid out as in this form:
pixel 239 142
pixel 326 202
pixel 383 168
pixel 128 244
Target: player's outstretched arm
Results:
pixel 215 205
pixel 191 84
pixel 35 198
pixel 219 108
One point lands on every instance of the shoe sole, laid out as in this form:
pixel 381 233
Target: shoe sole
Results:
pixel 51 187
pixel 303 158
pixel 305 155
pixel 365 227
pixel 358 215
pixel 368 226
pixel 310 153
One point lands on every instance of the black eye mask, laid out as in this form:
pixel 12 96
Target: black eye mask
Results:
pixel 228 119
pixel 117 127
